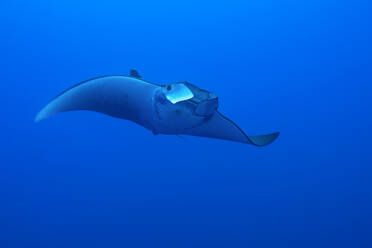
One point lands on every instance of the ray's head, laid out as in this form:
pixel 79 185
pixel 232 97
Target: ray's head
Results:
pixel 204 102
pixel 182 105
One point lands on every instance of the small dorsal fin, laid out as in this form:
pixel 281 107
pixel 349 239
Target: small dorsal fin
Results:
pixel 134 73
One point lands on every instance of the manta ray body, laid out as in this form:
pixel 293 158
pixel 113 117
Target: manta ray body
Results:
pixel 178 108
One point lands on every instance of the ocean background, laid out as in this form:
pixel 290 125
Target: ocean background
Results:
pixel 82 179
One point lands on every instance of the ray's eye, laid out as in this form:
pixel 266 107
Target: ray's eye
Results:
pixel 169 87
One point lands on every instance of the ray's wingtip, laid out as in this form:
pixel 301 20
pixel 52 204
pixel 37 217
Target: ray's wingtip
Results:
pixel 276 134
pixel 40 116
pixel 263 140
pixel 37 118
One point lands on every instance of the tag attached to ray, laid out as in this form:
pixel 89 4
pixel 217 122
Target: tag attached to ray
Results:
pixel 178 93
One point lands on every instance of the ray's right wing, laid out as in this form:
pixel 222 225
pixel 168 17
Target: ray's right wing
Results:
pixel 220 127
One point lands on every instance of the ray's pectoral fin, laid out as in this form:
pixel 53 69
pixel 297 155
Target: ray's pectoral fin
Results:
pixel 220 127
pixel 117 96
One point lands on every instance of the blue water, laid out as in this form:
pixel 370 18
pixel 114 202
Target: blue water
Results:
pixel 82 179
